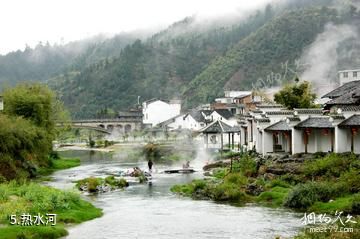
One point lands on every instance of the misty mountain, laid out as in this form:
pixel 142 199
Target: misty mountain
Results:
pixel 194 60
pixel 45 61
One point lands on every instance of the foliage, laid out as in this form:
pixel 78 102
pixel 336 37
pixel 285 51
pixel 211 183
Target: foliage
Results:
pixel 298 95
pixel 246 165
pixel 58 164
pixel 33 198
pixel 331 165
pixel 274 197
pixel 91 184
pixel 254 60
pixel 27 129
pixel 302 196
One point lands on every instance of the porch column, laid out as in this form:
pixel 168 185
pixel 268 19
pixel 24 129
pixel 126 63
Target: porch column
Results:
pixel 306 141
pixel 229 140
pixel 232 140
pixel 222 141
pixel 332 139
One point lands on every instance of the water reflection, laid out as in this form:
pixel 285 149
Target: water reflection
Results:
pixel 144 211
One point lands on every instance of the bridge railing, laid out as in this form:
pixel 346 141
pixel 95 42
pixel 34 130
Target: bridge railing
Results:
pixel 130 120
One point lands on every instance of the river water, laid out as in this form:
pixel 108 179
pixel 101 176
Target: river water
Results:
pixel 144 211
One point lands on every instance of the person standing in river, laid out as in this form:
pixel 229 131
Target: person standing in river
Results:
pixel 150 164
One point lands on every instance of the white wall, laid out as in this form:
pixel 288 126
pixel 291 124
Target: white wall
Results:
pixel 159 111
pixel 216 116
pixel 267 142
pixel 350 76
pixel 342 142
pixel 297 141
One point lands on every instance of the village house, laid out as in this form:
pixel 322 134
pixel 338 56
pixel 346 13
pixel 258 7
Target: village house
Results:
pixel 273 129
pixel 1 103
pixel 156 111
pixel 194 120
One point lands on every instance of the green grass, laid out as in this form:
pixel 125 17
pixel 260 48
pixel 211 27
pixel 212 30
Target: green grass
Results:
pixel 339 204
pixel 32 198
pixel 32 232
pixel 59 164
pixel 273 198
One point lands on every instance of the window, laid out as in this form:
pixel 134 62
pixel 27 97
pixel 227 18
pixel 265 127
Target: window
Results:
pixel 346 75
pixel 355 74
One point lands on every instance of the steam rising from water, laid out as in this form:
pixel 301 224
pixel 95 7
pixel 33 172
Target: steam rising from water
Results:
pixel 321 57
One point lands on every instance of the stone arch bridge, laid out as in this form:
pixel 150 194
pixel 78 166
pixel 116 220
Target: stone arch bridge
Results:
pixel 121 126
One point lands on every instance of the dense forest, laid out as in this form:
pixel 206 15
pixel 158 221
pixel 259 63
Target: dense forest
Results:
pixel 189 60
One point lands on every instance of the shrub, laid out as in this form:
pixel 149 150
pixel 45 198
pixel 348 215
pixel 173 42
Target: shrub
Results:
pixel 220 173
pixel 246 165
pixel 303 196
pixel 351 180
pixel 331 165
pixel 279 183
pixel 355 204
pixel 228 192
pixel 235 178
pixel 92 184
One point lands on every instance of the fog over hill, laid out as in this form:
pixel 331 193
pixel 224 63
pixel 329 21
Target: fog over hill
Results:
pixel 196 58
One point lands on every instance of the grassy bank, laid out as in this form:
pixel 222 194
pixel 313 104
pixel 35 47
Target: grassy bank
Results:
pixel 32 198
pixel 58 164
pixel 321 184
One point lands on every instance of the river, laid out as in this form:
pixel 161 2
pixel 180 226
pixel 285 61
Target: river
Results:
pixel 144 211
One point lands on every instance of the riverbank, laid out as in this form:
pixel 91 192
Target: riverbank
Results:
pixel 308 183
pixel 21 204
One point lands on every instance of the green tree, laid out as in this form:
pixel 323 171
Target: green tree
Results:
pixel 27 129
pixel 297 95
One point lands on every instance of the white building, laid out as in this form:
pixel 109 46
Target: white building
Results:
pixel 194 120
pixel 156 111
pixel 348 75
pixel 1 103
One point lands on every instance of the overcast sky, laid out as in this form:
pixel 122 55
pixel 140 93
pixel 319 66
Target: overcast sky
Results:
pixel 30 21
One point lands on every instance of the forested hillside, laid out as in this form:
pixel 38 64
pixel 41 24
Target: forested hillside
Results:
pixel 189 60
pixel 264 52
pixel 45 61
pixel 161 66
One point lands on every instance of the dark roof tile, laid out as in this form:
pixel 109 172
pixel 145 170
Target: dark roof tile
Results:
pixel 344 89
pixel 279 126
pixel 224 113
pixel 218 127
pixel 315 122
pixel 350 122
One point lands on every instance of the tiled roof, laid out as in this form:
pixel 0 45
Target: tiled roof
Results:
pixel 279 126
pixel 309 111
pixel 130 114
pixel 282 112
pixel 342 90
pixel 337 117
pixel 293 119
pixel 349 108
pixel 224 113
pixel 350 98
pixel 269 106
pixel 263 120
pixel 315 122
pixel 197 116
pixel 352 121
pixel 218 127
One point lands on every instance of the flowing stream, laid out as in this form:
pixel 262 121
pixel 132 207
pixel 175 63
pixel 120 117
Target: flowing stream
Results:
pixel 152 211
